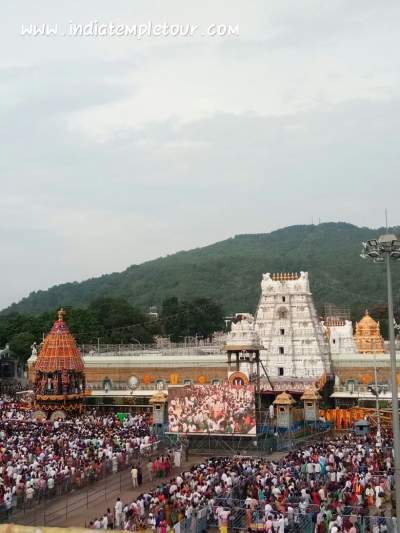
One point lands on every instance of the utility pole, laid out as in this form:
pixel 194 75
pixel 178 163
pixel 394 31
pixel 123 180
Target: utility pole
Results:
pixel 384 250
pixel 395 397
pixel 378 414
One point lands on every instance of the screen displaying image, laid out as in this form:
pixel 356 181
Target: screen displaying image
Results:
pixel 224 409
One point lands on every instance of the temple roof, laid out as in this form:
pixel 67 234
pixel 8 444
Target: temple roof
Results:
pixel 59 350
pixel 158 397
pixel 368 336
pixel 367 320
pixel 284 398
pixel 243 335
pixel 311 393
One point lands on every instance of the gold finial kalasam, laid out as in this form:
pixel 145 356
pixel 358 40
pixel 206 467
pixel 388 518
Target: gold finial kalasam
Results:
pixel 61 314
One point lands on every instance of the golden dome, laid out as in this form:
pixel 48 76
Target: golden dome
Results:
pixel 367 320
pixel 368 337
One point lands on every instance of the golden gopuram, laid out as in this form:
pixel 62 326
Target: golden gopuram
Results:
pixel 368 337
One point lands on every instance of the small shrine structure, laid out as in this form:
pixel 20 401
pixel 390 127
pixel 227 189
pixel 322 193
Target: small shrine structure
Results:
pixel 311 399
pixel 368 336
pixel 59 382
pixel 284 403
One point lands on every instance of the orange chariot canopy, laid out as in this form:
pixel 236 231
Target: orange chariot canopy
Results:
pixel 59 351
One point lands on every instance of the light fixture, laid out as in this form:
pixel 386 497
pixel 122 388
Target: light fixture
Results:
pixel 384 250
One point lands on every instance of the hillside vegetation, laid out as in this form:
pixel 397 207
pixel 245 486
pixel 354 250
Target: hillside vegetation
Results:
pixel 230 272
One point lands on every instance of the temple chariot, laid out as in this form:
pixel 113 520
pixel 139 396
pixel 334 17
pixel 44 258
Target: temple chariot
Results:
pixel 59 383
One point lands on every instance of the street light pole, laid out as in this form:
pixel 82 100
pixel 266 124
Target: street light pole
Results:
pixel 383 250
pixel 395 399
pixel 378 414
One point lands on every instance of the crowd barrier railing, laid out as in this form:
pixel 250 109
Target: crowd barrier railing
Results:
pixel 91 485
pixel 298 522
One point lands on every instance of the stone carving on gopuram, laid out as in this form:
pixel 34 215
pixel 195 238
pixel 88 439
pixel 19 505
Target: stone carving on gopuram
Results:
pixel 59 384
pixel 293 338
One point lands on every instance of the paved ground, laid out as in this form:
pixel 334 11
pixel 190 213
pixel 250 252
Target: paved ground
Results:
pixel 78 508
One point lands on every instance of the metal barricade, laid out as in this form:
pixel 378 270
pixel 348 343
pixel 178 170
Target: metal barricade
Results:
pixel 92 486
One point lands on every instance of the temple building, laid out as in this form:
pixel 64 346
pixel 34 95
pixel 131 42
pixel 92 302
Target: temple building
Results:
pixel 243 351
pixel 242 332
pixel 127 376
pixel 340 335
pixel 59 378
pixel 368 337
pixel 294 341
pixel 284 347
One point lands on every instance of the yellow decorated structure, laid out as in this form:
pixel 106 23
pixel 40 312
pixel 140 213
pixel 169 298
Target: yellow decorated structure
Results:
pixel 368 337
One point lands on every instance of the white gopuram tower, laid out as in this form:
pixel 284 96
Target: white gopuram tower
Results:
pixel 294 340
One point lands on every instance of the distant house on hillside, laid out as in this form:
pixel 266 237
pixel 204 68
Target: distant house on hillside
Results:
pixel 153 312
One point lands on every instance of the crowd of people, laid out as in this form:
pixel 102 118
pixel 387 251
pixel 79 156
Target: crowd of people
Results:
pixel 10 409
pixel 40 459
pixel 137 514
pixel 9 389
pixel 333 485
pixel 224 409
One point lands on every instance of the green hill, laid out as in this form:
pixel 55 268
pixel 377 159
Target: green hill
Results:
pixel 230 272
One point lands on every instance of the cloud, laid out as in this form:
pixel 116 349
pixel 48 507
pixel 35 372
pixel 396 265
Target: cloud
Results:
pixel 118 151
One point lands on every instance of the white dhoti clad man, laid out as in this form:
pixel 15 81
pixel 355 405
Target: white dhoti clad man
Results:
pixel 134 474
pixel 118 513
pixel 177 458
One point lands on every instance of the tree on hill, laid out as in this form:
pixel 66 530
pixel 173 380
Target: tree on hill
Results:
pixel 109 320
pixel 21 343
pixel 120 322
pixel 20 331
pixel 204 317
pixel 173 319
pixel 200 317
pixel 230 272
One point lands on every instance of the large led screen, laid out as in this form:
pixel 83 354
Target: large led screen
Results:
pixel 223 409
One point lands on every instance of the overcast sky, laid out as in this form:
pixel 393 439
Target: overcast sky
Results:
pixel 116 150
